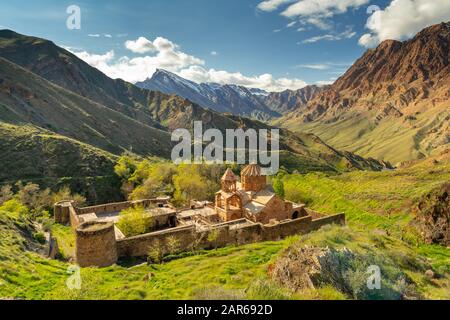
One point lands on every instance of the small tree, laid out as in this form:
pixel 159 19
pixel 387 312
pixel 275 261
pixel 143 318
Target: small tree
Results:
pixel 135 221
pixel 278 187
pixel 31 196
pixel 213 236
pixel 173 244
pixel 155 253
pixel 64 193
pixel 189 184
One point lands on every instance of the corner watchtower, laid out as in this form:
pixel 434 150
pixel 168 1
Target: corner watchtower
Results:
pixel 96 244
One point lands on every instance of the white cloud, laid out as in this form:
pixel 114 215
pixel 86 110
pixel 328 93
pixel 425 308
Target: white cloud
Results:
pixel 141 45
pixel 167 55
pixel 271 5
pixel 98 35
pixel 319 23
pixel 214 53
pixel 276 30
pixel 313 12
pixel 95 59
pixel 291 24
pixel 402 19
pixel 321 8
pixel 324 82
pixel 265 81
pixel 301 29
pixel 347 34
pixel 318 66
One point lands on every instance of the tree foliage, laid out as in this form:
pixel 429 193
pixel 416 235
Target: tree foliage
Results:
pixel 135 221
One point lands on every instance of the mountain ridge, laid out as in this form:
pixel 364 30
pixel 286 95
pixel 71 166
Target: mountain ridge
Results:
pixel 143 127
pixel 391 104
pixel 230 98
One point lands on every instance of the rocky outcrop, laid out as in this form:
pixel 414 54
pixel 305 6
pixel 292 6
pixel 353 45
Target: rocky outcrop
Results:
pixel 433 215
pixel 303 267
pixel 289 100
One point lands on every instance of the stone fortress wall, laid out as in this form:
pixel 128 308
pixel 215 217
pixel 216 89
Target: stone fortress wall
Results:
pixel 97 243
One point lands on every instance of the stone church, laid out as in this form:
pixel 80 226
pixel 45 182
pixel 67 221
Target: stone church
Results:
pixel 252 198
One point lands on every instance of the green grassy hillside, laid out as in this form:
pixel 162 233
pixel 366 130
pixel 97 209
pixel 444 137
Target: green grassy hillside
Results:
pixel 28 152
pixel 29 99
pixel 377 206
pixel 394 140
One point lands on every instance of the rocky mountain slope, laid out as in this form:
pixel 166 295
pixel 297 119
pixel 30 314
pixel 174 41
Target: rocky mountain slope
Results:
pixel 289 100
pixel 392 104
pixel 237 100
pixel 233 99
pixel 26 98
pixel 47 88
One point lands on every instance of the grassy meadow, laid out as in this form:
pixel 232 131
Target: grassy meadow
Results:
pixel 378 211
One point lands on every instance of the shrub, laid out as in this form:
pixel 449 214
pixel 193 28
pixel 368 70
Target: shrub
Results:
pixel 39 237
pixel 173 245
pixel 267 290
pixel 15 208
pixel 66 194
pixel 278 187
pixel 294 194
pixel 135 221
pixel 155 253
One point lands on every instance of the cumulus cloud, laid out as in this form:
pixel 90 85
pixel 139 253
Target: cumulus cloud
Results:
pixel 167 55
pixel 402 19
pixel 314 12
pixel 141 45
pixel 265 81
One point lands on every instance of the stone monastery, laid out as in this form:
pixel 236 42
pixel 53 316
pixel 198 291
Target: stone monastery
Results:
pixel 244 212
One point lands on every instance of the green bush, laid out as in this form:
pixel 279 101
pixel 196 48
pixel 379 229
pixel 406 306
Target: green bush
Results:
pixel 39 237
pixel 135 221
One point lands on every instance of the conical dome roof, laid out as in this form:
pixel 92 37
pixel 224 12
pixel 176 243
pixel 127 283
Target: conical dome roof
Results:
pixel 229 176
pixel 252 170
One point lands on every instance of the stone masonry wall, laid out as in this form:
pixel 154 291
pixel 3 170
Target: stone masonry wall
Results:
pixel 96 244
pixel 222 235
pixel 119 206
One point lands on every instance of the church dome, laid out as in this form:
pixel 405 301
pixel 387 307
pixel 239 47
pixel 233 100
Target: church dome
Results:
pixel 252 170
pixel 229 176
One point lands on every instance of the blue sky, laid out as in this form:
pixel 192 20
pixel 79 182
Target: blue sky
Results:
pixel 236 39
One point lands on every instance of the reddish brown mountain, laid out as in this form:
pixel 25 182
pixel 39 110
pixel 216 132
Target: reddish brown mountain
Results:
pixel 398 85
pixel 289 100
